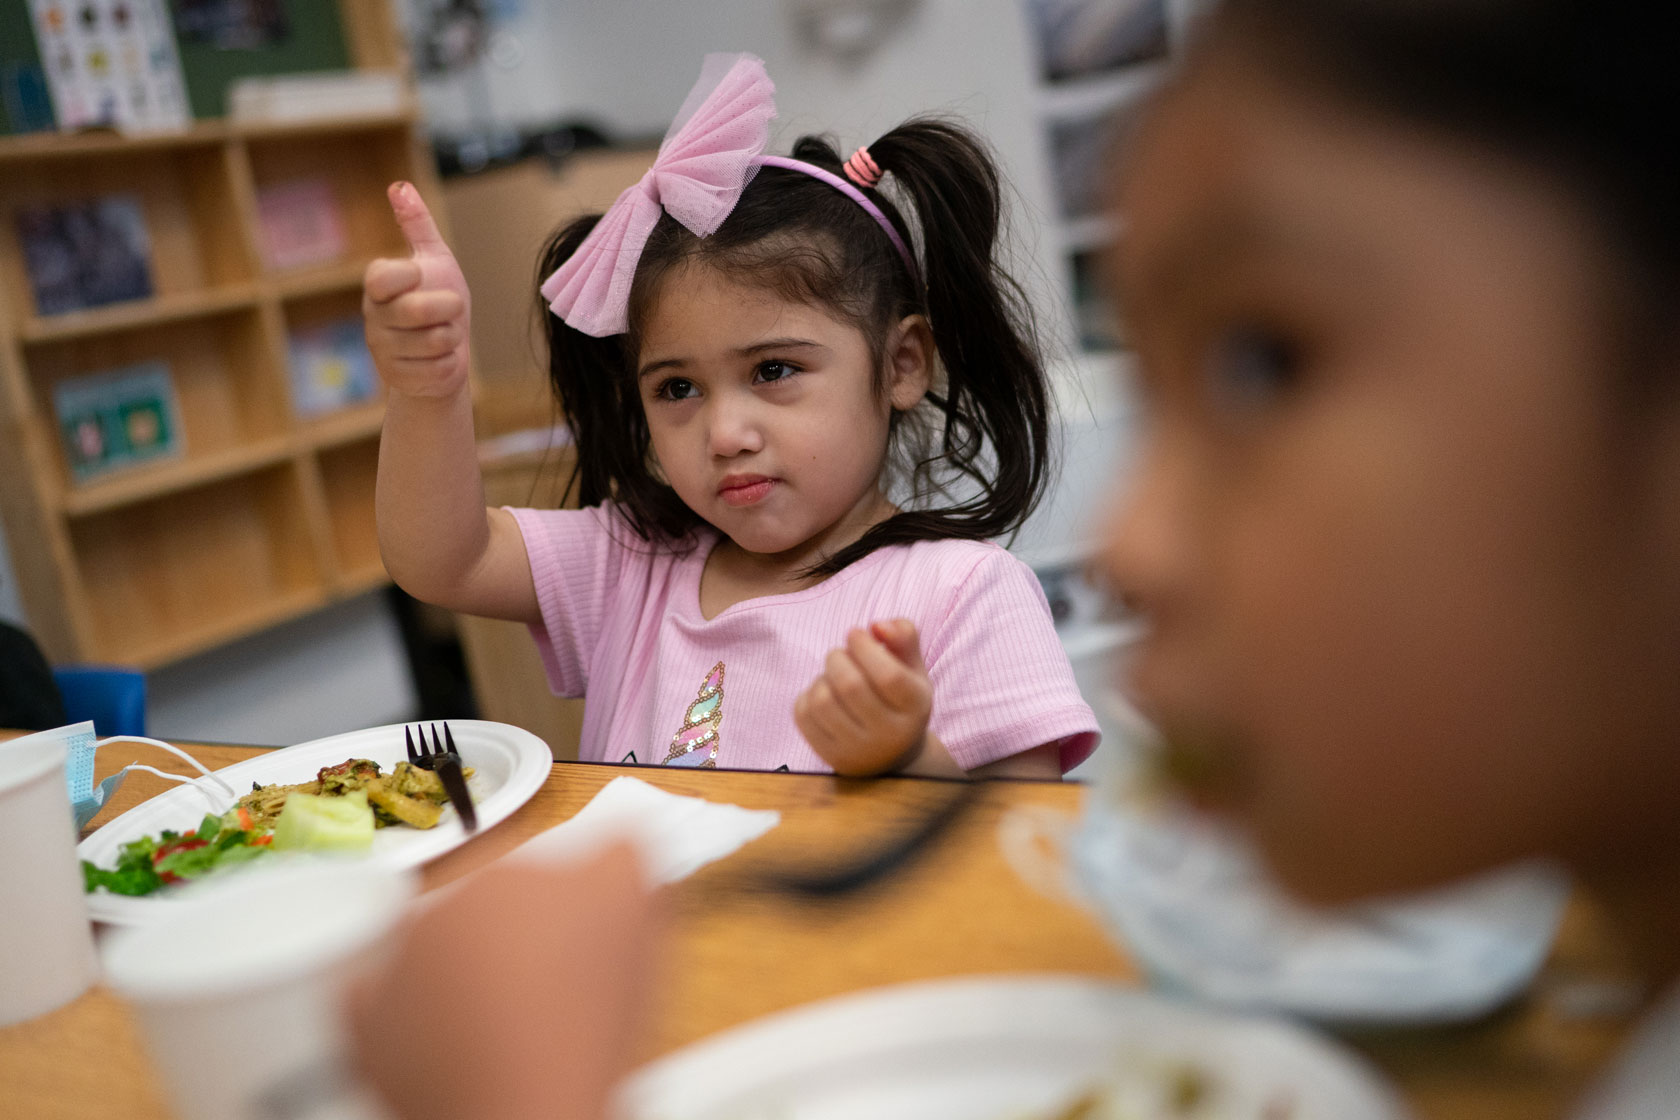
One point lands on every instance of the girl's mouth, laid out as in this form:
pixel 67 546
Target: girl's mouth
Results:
pixel 745 489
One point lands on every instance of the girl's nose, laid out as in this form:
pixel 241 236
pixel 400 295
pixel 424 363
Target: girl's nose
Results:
pixel 733 427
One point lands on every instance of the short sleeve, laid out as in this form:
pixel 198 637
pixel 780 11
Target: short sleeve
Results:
pixel 1001 680
pixel 577 559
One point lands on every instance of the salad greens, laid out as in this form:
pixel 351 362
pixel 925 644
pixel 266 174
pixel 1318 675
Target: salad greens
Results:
pixel 151 862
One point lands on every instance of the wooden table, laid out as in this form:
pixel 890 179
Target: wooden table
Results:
pixel 736 955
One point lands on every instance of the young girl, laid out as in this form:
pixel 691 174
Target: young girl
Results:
pixel 741 346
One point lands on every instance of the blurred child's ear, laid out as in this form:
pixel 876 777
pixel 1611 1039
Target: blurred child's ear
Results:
pixel 909 363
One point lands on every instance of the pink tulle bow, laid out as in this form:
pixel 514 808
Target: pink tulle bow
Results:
pixel 704 164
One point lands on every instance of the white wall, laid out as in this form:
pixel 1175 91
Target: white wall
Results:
pixel 1093 435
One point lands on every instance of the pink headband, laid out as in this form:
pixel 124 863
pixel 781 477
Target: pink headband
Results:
pixel 850 192
pixel 711 153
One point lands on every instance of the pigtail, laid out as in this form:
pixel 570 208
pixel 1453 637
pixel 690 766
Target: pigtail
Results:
pixel 993 441
pixel 595 390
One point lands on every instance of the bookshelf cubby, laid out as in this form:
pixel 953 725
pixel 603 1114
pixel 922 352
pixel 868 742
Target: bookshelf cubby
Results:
pixel 347 474
pixel 259 514
pixel 171 573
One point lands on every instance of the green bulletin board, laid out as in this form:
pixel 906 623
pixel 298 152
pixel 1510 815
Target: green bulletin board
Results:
pixel 20 62
pixel 314 40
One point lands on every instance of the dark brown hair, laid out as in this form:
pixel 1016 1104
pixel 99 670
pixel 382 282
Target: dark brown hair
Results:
pixel 974 456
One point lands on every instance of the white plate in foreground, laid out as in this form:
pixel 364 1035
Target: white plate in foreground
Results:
pixel 510 765
pixel 1006 1048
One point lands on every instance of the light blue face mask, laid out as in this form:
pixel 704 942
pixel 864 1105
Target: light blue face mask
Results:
pixel 86 798
pixel 1195 905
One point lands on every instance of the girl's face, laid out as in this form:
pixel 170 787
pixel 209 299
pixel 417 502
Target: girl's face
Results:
pixel 1409 567
pixel 764 415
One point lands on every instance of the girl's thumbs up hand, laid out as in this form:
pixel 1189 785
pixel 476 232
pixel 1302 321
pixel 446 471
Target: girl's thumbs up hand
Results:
pixel 417 309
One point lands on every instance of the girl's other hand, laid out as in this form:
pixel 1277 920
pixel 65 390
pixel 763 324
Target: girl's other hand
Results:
pixel 868 711
pixel 417 310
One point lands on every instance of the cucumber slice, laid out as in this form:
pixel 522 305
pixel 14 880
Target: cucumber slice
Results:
pixel 310 822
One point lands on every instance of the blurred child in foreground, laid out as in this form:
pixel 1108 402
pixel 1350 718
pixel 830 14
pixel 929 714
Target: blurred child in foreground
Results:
pixel 1403 280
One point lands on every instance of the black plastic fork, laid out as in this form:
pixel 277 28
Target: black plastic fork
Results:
pixel 426 754
pixel 878 864
pixel 441 757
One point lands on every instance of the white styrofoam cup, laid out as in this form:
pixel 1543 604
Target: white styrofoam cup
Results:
pixel 239 990
pixel 47 957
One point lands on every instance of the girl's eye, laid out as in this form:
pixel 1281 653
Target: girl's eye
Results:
pixel 675 389
pixel 1250 368
pixel 775 371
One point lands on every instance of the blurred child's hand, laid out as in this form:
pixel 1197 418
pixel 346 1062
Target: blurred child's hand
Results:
pixel 521 994
pixel 868 712
pixel 417 310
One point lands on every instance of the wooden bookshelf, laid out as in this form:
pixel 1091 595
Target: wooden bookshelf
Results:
pixel 265 514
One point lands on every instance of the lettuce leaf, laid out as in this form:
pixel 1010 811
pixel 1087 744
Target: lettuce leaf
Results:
pixel 139 871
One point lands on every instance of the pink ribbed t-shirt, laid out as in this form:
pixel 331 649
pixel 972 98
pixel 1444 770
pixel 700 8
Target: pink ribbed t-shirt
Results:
pixel 621 626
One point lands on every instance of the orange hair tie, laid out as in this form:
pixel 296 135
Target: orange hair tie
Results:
pixel 862 169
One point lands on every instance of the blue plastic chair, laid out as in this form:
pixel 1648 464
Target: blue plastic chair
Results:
pixel 113 698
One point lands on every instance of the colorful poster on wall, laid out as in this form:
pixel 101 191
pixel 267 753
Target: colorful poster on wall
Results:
pixel 111 63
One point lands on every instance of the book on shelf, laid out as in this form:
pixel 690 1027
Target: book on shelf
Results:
pixel 330 367
pixel 114 419
pixel 301 223
pixel 85 253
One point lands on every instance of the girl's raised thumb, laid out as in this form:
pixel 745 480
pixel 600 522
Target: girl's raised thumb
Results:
pixel 415 221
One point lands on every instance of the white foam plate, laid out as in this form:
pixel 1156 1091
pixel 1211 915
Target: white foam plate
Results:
pixel 510 765
pixel 1004 1048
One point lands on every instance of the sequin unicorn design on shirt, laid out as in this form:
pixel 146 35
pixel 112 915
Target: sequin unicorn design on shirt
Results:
pixel 699 730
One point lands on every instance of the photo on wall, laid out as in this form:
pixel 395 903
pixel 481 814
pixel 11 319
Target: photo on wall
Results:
pixel 86 253
pixel 1081 37
pixel 232 25
pixel 118 418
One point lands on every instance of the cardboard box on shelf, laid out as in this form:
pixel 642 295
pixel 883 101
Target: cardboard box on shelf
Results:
pixel 317 96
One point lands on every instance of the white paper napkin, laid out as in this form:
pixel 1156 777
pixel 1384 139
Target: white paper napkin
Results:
pixel 675 835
